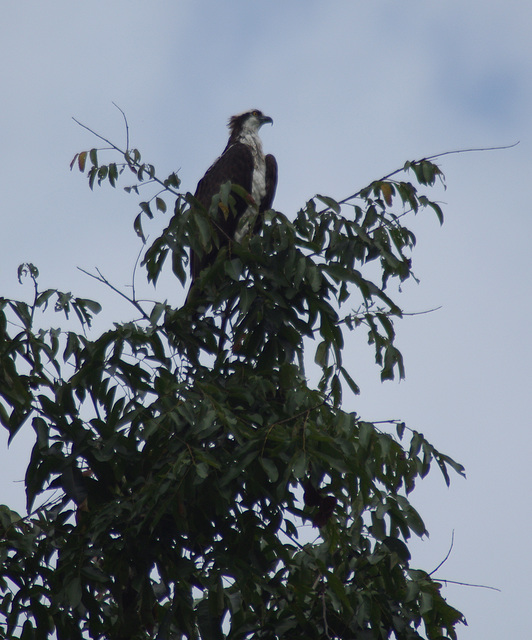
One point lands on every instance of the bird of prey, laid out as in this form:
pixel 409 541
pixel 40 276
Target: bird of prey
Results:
pixel 242 163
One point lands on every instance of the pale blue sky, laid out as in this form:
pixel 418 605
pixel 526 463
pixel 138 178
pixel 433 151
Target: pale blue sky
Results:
pixel 355 89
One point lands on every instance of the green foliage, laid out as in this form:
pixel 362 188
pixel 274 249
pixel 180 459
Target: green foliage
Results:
pixel 186 479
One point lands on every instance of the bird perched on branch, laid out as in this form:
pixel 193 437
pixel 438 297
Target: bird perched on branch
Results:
pixel 244 164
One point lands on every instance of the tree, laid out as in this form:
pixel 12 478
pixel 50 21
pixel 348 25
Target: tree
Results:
pixel 178 455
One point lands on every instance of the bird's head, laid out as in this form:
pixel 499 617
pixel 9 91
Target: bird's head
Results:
pixel 249 121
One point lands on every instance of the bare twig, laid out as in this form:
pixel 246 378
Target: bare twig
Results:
pixel 113 146
pixel 446 557
pixel 135 271
pixel 473 149
pixel 463 584
pixel 468 584
pixel 124 153
pixel 433 157
pixel 125 122
pixel 420 313
pixel 101 278
pixel 324 613
pixel 360 314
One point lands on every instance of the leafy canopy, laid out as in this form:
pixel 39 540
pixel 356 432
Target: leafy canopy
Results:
pixel 187 480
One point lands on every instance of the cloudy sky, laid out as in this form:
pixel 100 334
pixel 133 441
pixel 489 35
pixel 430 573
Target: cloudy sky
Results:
pixel 355 89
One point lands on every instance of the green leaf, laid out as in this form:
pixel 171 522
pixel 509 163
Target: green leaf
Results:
pixel 400 428
pixel 233 269
pixel 82 159
pixel 158 309
pixel 43 297
pixel 202 469
pixel 72 345
pixel 330 203
pixel 350 382
pixel 94 306
pixel 204 229
pixel 113 174
pixel 399 547
pixel 437 209
pixel 270 468
pixel 392 359
pixel 93 173
pixel 145 207
pixel 137 225
pixel 73 592
pixel 426 603
pixel 299 464
pixel 28 632
pixel 160 204
pixel 321 357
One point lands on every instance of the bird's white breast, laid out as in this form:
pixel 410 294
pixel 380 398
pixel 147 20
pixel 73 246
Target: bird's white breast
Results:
pixel 258 185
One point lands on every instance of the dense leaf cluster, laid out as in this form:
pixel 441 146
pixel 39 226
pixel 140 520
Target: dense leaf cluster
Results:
pixel 186 480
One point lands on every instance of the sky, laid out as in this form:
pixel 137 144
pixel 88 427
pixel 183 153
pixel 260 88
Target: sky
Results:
pixel 355 89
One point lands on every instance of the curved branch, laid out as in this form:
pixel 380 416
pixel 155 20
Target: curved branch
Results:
pixel 468 584
pixel 446 557
pixel 101 278
pixel 428 158
pixel 125 123
pixel 121 151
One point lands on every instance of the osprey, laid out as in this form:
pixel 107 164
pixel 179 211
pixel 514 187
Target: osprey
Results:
pixel 242 163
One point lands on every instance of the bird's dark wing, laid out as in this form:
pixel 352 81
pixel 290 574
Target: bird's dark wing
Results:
pixel 271 183
pixel 234 165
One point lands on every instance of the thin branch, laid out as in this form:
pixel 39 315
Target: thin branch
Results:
pixel 420 313
pixel 473 149
pixel 360 314
pixel 101 278
pixel 306 413
pixel 135 271
pixel 46 504
pixel 324 613
pixel 446 557
pixel 297 415
pixel 433 157
pixel 125 122
pixel 467 584
pixel 463 584
pixel 124 153
pixel 113 146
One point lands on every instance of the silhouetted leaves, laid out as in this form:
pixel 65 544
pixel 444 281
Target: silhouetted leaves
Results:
pixel 177 456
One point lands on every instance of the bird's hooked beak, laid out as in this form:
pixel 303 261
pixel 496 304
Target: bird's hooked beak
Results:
pixel 265 120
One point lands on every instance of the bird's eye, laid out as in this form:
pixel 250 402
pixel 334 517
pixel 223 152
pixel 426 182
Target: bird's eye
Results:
pixel 255 113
